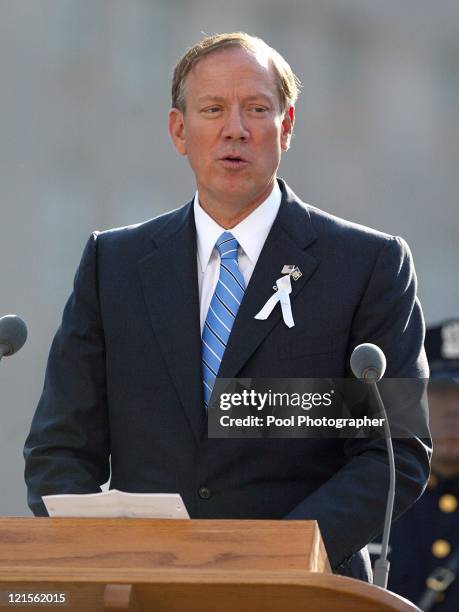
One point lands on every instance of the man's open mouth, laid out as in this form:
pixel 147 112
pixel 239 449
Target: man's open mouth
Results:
pixel 233 161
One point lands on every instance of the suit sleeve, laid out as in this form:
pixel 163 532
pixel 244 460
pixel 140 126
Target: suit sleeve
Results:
pixel 350 506
pixel 67 449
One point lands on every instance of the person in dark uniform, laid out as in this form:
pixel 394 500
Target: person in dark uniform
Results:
pixel 424 554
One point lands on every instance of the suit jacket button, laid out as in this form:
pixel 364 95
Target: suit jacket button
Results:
pixel 441 549
pixel 204 493
pixel 447 503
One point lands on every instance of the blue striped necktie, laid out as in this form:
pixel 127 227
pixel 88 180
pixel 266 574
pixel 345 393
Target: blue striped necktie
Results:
pixel 222 312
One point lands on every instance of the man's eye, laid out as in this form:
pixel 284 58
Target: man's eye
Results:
pixel 212 109
pixel 258 109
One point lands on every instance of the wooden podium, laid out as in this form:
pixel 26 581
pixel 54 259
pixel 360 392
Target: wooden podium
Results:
pixel 177 565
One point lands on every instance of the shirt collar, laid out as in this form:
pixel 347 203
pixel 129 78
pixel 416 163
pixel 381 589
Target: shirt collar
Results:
pixel 251 232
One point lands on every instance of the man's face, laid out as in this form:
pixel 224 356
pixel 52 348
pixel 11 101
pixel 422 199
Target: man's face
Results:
pixel 444 423
pixel 233 130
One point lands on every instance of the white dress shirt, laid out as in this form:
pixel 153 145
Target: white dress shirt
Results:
pixel 251 234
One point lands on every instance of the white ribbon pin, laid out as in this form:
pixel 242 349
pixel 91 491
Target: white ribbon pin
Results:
pixel 284 289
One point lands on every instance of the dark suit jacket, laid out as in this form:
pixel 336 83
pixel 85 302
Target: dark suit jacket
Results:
pixel 123 379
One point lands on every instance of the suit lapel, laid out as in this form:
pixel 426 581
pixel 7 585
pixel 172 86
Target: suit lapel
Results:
pixel 290 234
pixel 170 285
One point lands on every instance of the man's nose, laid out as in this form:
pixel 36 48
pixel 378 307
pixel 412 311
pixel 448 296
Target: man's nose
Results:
pixel 235 128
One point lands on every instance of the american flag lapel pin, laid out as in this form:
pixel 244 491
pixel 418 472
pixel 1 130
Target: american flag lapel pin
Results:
pixel 293 270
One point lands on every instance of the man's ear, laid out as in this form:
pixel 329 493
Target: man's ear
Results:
pixel 177 130
pixel 287 127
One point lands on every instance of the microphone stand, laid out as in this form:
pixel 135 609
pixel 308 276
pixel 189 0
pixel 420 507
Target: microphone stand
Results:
pixel 382 565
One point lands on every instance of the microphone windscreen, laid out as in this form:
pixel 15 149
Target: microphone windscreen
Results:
pixel 368 357
pixel 13 333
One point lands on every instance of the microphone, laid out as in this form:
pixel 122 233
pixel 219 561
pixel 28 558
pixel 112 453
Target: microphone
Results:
pixel 368 363
pixel 13 334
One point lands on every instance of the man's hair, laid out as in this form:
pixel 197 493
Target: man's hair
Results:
pixel 288 84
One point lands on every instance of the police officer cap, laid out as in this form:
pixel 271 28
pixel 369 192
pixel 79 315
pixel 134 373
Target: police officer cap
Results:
pixel 442 348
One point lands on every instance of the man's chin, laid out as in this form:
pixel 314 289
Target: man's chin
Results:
pixel 236 190
pixel 448 460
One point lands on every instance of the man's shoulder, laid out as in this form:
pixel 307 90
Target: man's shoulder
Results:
pixel 343 233
pixel 332 230
pixel 156 228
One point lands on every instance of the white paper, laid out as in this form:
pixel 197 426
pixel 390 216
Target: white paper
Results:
pixel 114 504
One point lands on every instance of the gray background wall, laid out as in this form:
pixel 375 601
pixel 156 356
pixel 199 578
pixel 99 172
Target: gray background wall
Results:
pixel 84 143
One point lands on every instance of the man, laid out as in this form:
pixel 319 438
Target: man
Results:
pixel 426 538
pixel 154 305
